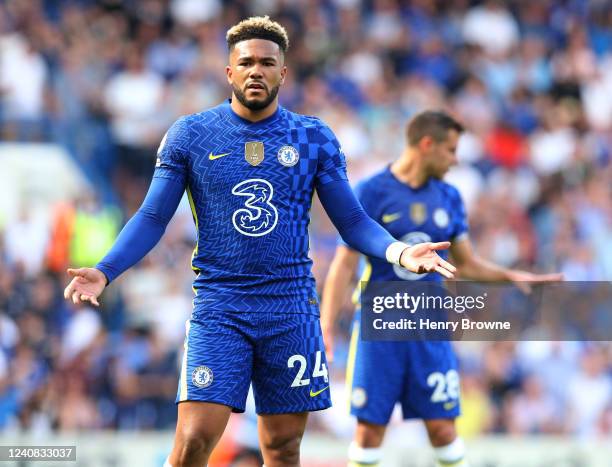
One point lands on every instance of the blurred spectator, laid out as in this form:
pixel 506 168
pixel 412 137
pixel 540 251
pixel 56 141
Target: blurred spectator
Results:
pixel 552 147
pixel 474 104
pixel 134 99
pixel 23 75
pixel 533 411
pixel 26 242
pixel 77 411
pixel 80 332
pixel 492 27
pixel 193 12
pixel 589 392
pixel 477 411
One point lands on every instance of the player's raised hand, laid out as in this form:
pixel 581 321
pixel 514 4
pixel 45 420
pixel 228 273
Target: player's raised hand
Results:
pixel 422 258
pixel 86 286
pixel 524 279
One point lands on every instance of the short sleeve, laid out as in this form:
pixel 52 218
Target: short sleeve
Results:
pixel 173 152
pixel 331 164
pixel 459 228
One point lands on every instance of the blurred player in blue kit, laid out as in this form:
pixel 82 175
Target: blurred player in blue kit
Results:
pixel 412 202
pixel 250 168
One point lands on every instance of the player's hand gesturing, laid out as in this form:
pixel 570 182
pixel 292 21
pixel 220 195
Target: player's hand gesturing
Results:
pixel 422 258
pixel 86 286
pixel 524 280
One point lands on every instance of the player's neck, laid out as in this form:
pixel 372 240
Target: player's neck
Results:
pixel 409 169
pixel 253 115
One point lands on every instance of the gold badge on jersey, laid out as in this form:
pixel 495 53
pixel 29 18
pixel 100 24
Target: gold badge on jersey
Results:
pixel 418 213
pixel 254 152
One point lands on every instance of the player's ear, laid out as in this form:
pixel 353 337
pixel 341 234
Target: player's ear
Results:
pixel 228 74
pixel 426 143
pixel 283 74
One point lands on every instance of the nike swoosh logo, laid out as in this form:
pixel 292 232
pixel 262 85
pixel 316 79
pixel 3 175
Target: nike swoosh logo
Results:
pixel 388 218
pixel 212 157
pixel 449 405
pixel 315 394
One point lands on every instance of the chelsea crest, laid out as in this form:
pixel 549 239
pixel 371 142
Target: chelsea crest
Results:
pixel 288 156
pixel 202 376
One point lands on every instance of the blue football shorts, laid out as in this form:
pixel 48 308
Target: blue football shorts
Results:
pixel 421 375
pixel 281 354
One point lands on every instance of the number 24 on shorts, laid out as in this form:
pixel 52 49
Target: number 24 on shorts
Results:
pixel 320 369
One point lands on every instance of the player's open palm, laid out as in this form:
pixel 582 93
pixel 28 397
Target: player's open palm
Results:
pixel 422 258
pixel 86 286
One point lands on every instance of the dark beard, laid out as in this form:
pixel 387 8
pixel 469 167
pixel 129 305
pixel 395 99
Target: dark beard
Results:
pixel 255 105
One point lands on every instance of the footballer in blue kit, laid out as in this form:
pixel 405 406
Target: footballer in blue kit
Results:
pixel 250 168
pixel 410 199
pixel 430 213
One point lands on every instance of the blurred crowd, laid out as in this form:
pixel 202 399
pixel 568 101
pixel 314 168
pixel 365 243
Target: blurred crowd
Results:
pixel 531 81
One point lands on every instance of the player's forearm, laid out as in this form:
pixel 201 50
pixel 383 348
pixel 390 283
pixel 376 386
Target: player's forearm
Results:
pixel 334 292
pixel 144 229
pixel 369 238
pixel 479 269
pixel 356 228
pixel 136 239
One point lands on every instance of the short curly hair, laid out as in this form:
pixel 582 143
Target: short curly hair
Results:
pixel 258 27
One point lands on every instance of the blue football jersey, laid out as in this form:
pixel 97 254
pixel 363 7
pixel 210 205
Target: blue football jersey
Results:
pixel 250 187
pixel 433 212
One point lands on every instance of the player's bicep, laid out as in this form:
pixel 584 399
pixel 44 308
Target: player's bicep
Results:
pixel 340 204
pixel 173 152
pixel 162 199
pixel 331 165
